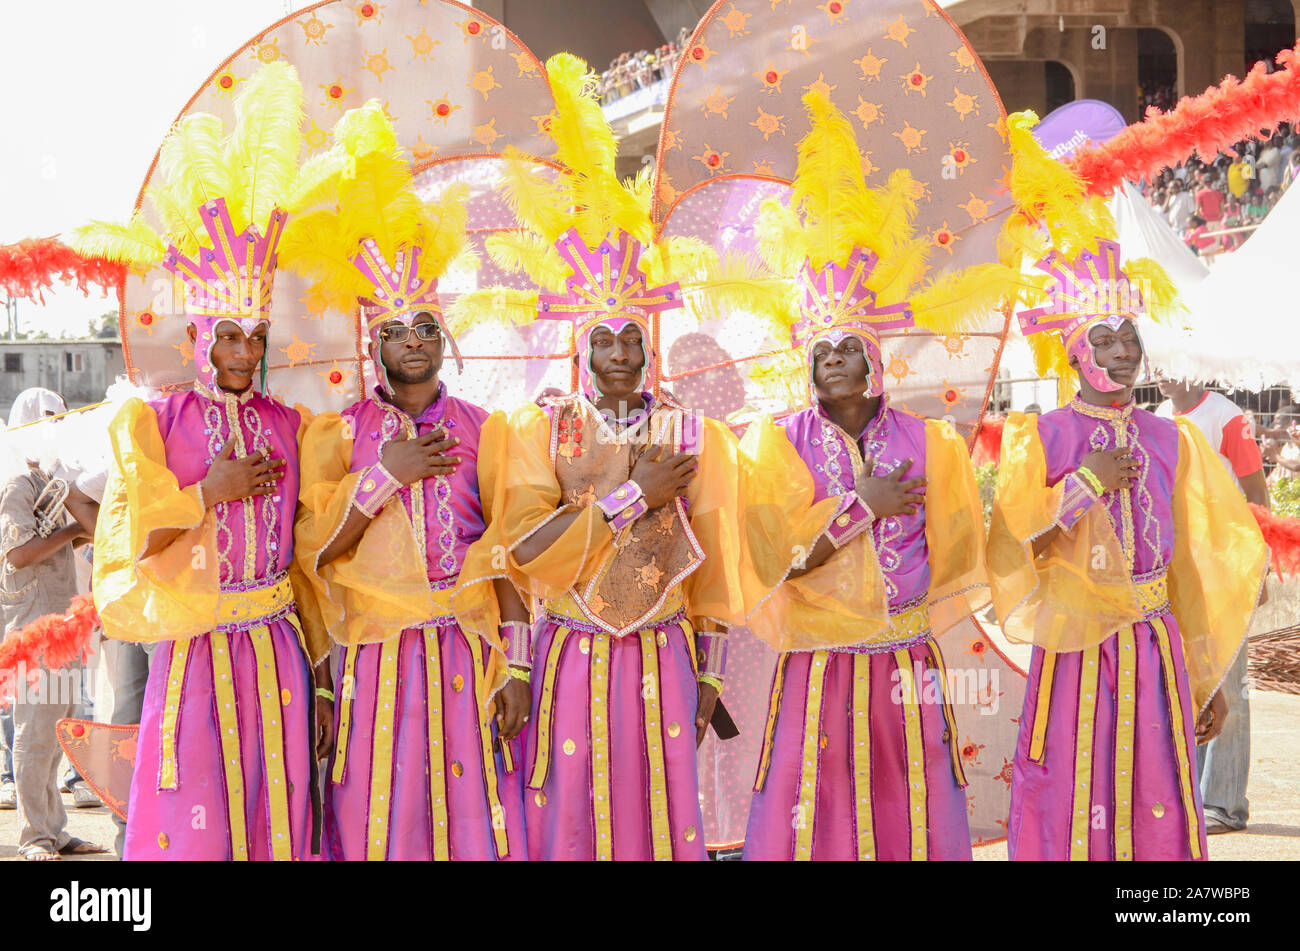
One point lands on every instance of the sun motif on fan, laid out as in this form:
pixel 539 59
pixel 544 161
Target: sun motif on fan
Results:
pixel 315 137
pixel 915 80
pixel 471 28
pixel 526 62
pixel 717 103
pixel 768 124
pixel 485 134
pixel 836 11
pixel 422 150
pixel 336 376
pixel 899 31
pixel 483 82
pixel 870 66
pixel 964 104
pixel 314 30
pixel 911 138
pixel 869 112
pixel 148 320
pixel 368 11
pixel 334 93
pixel 377 63
pixel 952 395
pixel 977 208
pixel 298 351
pixel 820 85
pixel 965 58
pixel 266 52
pixel 713 160
pixel 442 108
pixel 959 153
pixel 898 368
pixel 955 344
pixel 734 21
pixel 186 351
pixel 970 751
pixel 771 77
pixel 422 45
pixel 944 237
pixel 225 82
pixel 701 53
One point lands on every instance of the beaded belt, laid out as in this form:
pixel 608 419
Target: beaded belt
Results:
pixel 252 603
pixel 909 623
pixel 586 627
pixel 1153 593
pixel 442 590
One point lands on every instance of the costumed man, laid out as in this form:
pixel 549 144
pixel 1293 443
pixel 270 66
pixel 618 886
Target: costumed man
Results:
pixel 618 509
pixel 863 532
pixel 194 544
pixel 391 524
pixel 1111 531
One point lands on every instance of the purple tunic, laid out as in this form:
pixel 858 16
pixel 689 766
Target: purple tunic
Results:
pixel 417 741
pixel 904 798
pixel 266 699
pixel 1114 778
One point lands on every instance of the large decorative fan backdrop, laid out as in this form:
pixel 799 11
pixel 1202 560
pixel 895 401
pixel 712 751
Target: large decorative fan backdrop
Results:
pixel 460 88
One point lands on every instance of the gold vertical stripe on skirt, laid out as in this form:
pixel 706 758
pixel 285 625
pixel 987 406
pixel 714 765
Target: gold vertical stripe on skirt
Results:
pixel 949 717
pixel 545 710
pixel 1178 724
pixel 661 838
pixel 271 708
pixel 499 837
pixel 860 729
pixel 1082 801
pixel 601 806
pixel 1125 713
pixel 346 696
pixel 232 765
pixel 168 772
pixel 1042 705
pixel 438 818
pixel 774 708
pixel 806 804
pixel 381 753
pixel 916 806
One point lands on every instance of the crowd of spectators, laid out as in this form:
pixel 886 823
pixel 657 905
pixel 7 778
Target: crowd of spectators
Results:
pixel 1203 199
pixel 629 72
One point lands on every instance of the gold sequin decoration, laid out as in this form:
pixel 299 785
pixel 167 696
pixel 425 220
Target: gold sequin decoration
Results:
pixel 539 797
pixel 458 683
pixel 457 770
pixel 286 696
pixel 584 645
pixel 569 747
pixel 674 728
pixel 1158 810
pixel 163 841
pixel 689 834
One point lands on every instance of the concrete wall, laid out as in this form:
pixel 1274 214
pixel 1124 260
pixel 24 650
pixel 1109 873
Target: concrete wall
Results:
pixel 44 363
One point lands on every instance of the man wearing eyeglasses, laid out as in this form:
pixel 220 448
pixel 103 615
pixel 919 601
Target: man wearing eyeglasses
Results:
pixel 390 527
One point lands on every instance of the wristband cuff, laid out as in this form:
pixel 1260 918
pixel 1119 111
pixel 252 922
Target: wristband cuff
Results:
pixel 853 518
pixel 375 488
pixel 623 506
pixel 517 641
pixel 1077 497
pixel 711 653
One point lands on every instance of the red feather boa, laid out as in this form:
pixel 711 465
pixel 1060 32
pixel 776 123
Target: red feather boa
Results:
pixel 1283 537
pixel 1206 124
pixel 51 641
pixel 32 266
pixel 988 441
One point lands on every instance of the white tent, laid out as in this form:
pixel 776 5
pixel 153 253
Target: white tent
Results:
pixel 1244 317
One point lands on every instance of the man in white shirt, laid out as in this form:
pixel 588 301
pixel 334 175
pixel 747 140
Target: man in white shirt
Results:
pixel 1224 762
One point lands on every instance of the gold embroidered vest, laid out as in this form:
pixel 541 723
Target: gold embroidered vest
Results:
pixel 641 581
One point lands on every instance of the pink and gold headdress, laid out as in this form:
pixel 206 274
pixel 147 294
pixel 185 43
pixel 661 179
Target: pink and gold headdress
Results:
pixel 1071 240
pixel 852 257
pixel 224 203
pixel 378 245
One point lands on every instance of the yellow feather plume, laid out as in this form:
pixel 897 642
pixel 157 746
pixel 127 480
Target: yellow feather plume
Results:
pixel 955 303
pixel 506 305
pixel 262 152
pixel 134 244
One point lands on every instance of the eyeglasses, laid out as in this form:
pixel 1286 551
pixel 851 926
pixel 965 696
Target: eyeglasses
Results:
pixel 399 333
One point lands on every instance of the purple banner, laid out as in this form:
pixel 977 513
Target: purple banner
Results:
pixel 1076 124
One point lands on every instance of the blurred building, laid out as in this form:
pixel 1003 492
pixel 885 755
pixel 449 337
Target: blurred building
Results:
pixel 79 370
